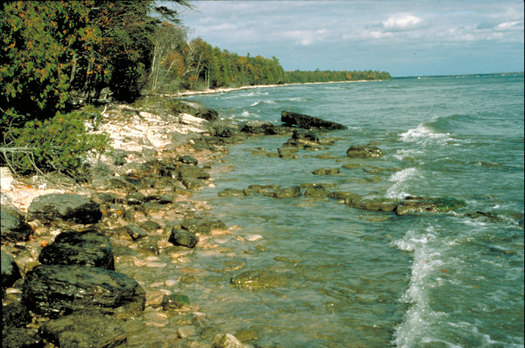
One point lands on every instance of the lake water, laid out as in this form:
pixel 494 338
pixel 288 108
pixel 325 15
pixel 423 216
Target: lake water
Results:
pixel 357 278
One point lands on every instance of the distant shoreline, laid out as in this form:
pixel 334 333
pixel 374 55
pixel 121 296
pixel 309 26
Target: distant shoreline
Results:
pixel 232 89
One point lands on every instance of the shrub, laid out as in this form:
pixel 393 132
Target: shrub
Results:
pixel 57 144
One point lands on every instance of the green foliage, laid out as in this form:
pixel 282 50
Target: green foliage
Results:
pixel 57 144
pixel 299 76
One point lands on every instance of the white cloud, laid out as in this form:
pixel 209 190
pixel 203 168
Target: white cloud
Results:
pixel 402 22
pixel 305 37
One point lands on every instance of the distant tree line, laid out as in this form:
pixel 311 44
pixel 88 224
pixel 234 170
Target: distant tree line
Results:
pixel 298 76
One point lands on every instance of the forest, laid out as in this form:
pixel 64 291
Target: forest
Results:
pixel 61 60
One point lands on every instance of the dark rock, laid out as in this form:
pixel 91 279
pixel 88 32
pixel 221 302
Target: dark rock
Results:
pixel 10 270
pixel 288 192
pixel 374 204
pixel 230 192
pixel 309 136
pixel 202 225
pixel 174 301
pixel 105 197
pixel 414 205
pixel 187 160
pixel 326 171
pixel 21 337
pixel 149 225
pixel 89 329
pixel 308 122
pixel 256 127
pixel 257 280
pixel 87 248
pixel 198 110
pixel 57 290
pixel 364 151
pixel 183 237
pixel 14 228
pixel 159 199
pixel 15 314
pixel 66 206
pixel 316 192
pixel 148 246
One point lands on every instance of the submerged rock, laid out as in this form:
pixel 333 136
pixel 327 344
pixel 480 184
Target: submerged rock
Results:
pixel 14 228
pixel 86 248
pixel 90 329
pixel 413 205
pixel 326 171
pixel 257 280
pixel 174 301
pixel 287 192
pixel 231 192
pixel 56 290
pixel 227 341
pixel 65 206
pixel 364 151
pixel 308 122
pixel 316 192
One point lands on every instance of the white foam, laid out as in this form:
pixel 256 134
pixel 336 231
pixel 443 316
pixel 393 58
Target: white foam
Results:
pixel 400 180
pixel 420 318
pixel 402 154
pixel 423 134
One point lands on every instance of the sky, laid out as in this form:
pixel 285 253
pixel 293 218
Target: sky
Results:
pixel 404 38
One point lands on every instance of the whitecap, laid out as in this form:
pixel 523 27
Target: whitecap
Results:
pixel 408 153
pixel 423 134
pixel 400 180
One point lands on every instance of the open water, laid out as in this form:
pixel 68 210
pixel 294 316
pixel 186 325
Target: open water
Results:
pixel 358 278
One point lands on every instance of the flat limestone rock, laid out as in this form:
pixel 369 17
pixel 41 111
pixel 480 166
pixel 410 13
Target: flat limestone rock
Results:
pixel 57 290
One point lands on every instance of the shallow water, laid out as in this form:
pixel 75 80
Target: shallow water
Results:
pixel 369 279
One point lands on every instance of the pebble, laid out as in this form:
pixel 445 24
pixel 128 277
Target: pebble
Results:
pixel 170 282
pixel 186 331
pixel 254 237
pixel 156 264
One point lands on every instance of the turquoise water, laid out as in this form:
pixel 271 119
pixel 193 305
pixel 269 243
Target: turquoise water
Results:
pixel 357 278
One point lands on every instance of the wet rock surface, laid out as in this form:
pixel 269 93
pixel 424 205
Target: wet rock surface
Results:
pixel 56 290
pixel 84 248
pixel 364 151
pixel 66 206
pixel 308 122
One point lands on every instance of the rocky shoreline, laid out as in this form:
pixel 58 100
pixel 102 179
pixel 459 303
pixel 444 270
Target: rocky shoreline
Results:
pixel 71 252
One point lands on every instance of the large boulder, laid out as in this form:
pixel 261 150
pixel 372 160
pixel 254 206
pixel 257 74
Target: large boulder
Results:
pixel 89 329
pixel 87 248
pixel 363 151
pixel 308 122
pixel 10 270
pixel 65 206
pixel 14 227
pixel 57 290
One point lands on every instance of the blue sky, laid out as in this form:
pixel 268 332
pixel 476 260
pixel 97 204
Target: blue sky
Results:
pixel 405 38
